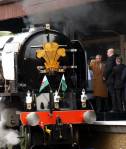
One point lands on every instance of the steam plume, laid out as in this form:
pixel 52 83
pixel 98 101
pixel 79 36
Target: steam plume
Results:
pixel 72 15
pixel 7 136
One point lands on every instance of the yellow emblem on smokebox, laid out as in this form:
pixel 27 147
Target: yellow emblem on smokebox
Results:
pixel 51 54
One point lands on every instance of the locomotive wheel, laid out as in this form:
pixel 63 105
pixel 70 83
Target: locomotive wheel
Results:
pixel 25 134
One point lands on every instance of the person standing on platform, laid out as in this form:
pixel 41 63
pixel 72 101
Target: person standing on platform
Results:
pixel 123 77
pixel 108 76
pixel 99 86
pixel 118 83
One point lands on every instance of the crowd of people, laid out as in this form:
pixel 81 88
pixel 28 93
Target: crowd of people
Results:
pixel 109 82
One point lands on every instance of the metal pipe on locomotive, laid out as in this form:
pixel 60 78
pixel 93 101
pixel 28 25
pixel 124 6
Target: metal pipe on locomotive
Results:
pixel 52 115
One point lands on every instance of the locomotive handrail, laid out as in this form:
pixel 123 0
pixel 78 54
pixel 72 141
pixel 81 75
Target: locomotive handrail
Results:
pixel 72 67
pixel 67 50
pixel 40 46
pixel 71 50
pixel 61 69
pixel 42 67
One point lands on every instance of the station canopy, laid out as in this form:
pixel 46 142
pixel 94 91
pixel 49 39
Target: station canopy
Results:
pixel 16 8
pixel 11 10
pixel 92 15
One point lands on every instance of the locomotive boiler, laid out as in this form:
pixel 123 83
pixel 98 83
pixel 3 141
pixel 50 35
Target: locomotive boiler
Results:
pixel 44 76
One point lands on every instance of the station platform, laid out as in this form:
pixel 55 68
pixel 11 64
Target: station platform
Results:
pixel 110 123
pixel 109 126
pixel 111 116
pixel 104 134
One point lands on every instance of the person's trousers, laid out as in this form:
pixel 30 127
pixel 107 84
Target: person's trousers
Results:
pixel 118 97
pixel 124 98
pixel 111 92
pixel 102 104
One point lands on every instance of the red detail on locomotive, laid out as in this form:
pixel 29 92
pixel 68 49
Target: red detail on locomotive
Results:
pixel 67 117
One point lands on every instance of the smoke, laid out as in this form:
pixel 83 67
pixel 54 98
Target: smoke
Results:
pixel 12 137
pixel 75 17
pixel 7 136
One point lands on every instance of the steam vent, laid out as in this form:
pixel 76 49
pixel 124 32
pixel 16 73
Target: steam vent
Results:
pixel 62 74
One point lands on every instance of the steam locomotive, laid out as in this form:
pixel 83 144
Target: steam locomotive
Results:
pixel 43 81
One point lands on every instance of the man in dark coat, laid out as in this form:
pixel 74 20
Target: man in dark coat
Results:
pixel 118 83
pixel 124 87
pixel 108 75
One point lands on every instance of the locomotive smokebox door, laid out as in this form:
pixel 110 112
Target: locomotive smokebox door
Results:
pixel 48 52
